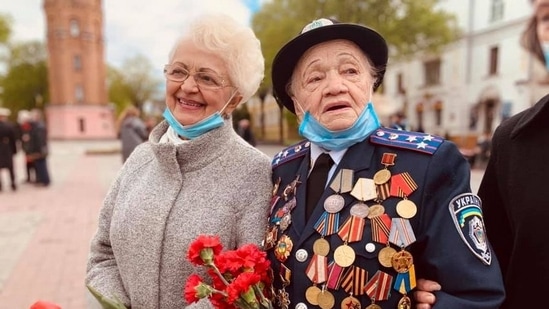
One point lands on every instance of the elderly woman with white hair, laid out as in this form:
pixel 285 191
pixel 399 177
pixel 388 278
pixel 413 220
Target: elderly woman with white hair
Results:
pixel 194 176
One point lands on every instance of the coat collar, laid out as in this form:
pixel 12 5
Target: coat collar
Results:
pixel 539 113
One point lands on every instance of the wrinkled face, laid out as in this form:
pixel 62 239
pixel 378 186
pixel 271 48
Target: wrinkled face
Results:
pixel 187 100
pixel 542 18
pixel 333 81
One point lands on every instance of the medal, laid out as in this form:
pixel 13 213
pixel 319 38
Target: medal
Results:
pixel 344 256
pixel 285 222
pixel 373 306
pixel 406 209
pixel 402 185
pixel 360 210
pixel 311 294
pixel 321 247
pixel 384 175
pixel 364 189
pixel 375 211
pixel 334 203
pixel 404 303
pixel 283 248
pixel 402 261
pixel 350 302
pixel 270 238
pixel 291 188
pixel 282 297
pixel 385 256
pixel 326 300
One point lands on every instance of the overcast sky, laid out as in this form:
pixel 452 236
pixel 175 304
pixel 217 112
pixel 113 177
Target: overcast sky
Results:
pixel 131 26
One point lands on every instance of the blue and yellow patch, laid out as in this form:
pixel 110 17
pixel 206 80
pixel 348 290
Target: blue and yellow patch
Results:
pixel 415 141
pixel 293 152
pixel 466 213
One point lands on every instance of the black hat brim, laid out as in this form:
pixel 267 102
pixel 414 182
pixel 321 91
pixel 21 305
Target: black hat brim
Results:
pixel 371 42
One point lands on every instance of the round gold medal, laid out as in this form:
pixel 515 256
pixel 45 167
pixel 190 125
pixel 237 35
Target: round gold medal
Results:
pixel 376 211
pixel 311 294
pixel 402 261
pixel 344 256
pixel 382 176
pixel 334 203
pixel 406 209
pixel 385 256
pixel 350 302
pixel 321 247
pixel 373 306
pixel 404 303
pixel 326 300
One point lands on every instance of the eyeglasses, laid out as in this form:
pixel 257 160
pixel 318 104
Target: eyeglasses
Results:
pixel 204 80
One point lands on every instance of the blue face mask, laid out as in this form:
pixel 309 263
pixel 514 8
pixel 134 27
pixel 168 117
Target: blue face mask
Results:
pixel 545 49
pixel 366 123
pixel 192 131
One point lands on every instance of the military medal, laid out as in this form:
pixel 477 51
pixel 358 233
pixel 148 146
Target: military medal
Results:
pixel 404 303
pixel 381 227
pixel 375 211
pixel 378 288
pixel 384 175
pixel 344 255
pixel 385 256
pixel 282 297
pixel 291 188
pixel 350 302
pixel 335 274
pixel 402 261
pixel 404 283
pixel 406 209
pixel 354 280
pixel 326 300
pixel 401 233
pixel 321 247
pixel 311 294
pixel 270 237
pixel 340 184
pixel 402 185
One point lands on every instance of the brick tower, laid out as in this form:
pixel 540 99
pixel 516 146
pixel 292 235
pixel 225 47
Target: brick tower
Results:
pixel 78 107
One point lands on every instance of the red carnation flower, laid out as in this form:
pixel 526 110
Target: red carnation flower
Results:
pixel 203 249
pixel 191 290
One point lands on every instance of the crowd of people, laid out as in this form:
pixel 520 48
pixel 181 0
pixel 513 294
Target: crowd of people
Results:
pixel 28 135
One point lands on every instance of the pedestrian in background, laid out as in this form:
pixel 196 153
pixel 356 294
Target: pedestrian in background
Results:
pixel 360 210
pixel 8 146
pixel 193 176
pixel 131 130
pixel 25 125
pixel 38 149
pixel 245 131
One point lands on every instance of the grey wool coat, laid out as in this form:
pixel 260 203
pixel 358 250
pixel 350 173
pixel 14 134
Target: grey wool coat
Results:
pixel 163 198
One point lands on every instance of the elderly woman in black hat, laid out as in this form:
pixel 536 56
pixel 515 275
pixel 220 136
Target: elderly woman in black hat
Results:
pixel 359 211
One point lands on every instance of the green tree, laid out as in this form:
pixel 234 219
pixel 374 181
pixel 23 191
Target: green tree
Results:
pixel 137 80
pixel 118 90
pixel 409 26
pixel 25 85
pixel 5 33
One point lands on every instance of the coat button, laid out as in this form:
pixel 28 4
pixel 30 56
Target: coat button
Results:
pixel 301 255
pixel 300 306
pixel 370 247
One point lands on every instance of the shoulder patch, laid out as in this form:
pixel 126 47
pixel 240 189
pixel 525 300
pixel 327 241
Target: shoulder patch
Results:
pixel 292 152
pixel 466 213
pixel 416 141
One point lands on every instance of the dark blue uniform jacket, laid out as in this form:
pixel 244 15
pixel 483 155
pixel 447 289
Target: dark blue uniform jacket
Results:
pixel 445 249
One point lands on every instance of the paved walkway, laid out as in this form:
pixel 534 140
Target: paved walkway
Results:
pixel 45 232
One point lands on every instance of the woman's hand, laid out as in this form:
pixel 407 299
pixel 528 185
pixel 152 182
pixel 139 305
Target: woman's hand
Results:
pixel 424 296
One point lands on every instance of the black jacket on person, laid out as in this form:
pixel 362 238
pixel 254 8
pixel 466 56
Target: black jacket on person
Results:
pixel 516 204
pixel 7 144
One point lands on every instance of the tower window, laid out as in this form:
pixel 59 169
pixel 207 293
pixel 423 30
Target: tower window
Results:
pixel 79 94
pixel 77 63
pixel 74 28
pixel 493 69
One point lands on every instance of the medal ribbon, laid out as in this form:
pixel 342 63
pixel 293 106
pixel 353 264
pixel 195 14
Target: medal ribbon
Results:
pixel 388 158
pixel 354 280
pixel 383 191
pixel 352 229
pixel 335 274
pixel 285 274
pixel 317 270
pixel 327 224
pixel 402 185
pixel 401 233
pixel 381 227
pixel 379 286
pixel 405 282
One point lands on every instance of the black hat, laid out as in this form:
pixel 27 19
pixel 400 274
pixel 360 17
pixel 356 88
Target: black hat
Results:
pixel 318 31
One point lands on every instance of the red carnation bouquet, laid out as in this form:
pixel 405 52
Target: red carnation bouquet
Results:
pixel 240 278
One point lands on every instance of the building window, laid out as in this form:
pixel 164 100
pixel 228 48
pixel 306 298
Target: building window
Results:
pixel 496 10
pixel 493 70
pixel 77 63
pixel 79 94
pixel 400 84
pixel 432 72
pixel 74 28
pixel 81 125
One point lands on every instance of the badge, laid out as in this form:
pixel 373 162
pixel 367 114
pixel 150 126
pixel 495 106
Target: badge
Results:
pixel 283 248
pixel 406 209
pixel 270 237
pixel 321 247
pixel 385 256
pixel 404 303
pixel 301 255
pixel 402 261
pixel 466 213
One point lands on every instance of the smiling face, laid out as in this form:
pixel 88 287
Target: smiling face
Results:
pixel 333 81
pixel 187 102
